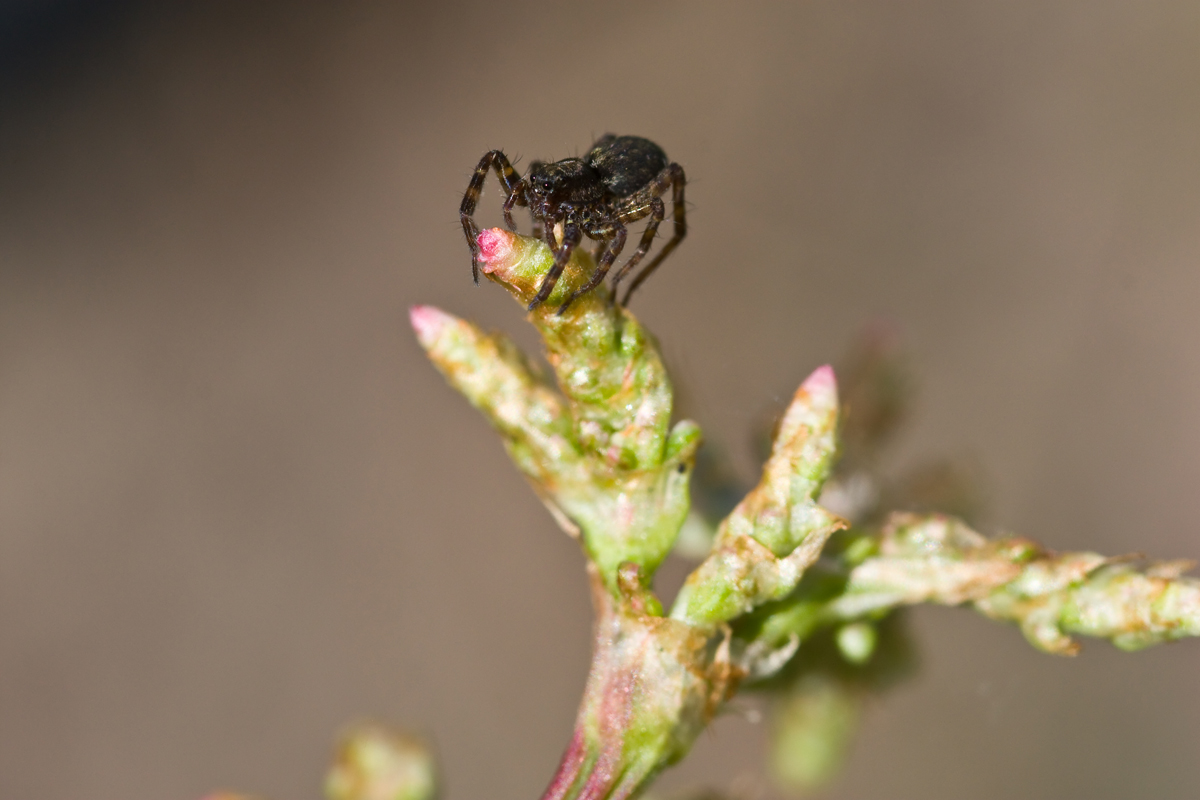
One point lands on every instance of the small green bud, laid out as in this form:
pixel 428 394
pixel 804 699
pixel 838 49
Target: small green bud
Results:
pixel 374 763
pixel 811 732
pixel 856 642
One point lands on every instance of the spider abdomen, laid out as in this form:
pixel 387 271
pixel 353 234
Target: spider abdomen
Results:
pixel 626 163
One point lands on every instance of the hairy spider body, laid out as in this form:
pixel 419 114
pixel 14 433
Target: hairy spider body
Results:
pixel 620 180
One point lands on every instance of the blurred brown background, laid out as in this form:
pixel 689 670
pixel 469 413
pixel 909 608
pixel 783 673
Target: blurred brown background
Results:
pixel 238 508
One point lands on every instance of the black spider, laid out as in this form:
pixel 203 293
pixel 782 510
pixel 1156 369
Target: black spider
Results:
pixel 620 180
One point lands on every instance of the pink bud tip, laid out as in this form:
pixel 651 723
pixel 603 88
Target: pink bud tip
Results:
pixel 428 322
pixel 822 383
pixel 495 246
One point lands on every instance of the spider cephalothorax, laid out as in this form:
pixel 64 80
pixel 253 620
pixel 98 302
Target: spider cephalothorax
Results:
pixel 620 180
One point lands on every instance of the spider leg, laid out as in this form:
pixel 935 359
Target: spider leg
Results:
pixel 657 212
pixel 674 177
pixel 571 236
pixel 508 177
pixel 609 249
pixel 516 197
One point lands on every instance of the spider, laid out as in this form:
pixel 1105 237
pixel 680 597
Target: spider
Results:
pixel 621 179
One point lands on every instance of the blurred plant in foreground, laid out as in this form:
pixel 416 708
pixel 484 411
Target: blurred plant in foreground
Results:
pixel 798 591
